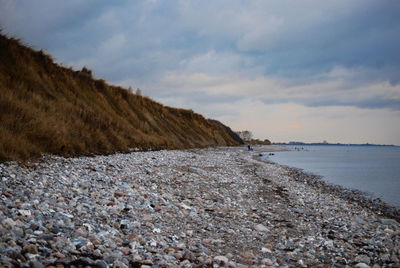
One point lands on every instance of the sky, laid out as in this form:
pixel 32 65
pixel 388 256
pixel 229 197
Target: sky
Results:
pixel 285 70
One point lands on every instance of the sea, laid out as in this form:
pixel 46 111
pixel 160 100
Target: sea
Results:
pixel 374 170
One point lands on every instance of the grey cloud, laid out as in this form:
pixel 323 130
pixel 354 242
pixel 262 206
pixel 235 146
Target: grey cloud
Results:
pixel 372 103
pixel 140 41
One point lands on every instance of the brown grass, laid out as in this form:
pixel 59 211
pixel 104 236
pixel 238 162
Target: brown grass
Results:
pixel 46 108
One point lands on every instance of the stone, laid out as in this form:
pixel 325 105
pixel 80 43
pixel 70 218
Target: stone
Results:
pixel 24 212
pixel 389 222
pixel 362 259
pixel 100 264
pixel 248 255
pixel 36 264
pixel 188 255
pixel 8 223
pixel 385 257
pixel 222 260
pixel 84 261
pixel 15 255
pixel 184 206
pixel 260 228
pixel 184 262
pixel 267 262
pixel 265 250
pixel 362 265
pixel 300 263
pixel 120 264
pixel 58 255
pixel 32 249
pixel 147 218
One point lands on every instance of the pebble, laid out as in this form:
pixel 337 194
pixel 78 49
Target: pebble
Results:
pixel 260 228
pixel 8 223
pixel 192 208
pixel 362 265
pixel 32 249
pixel 222 260
pixel 267 262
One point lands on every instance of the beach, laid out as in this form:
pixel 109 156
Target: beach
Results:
pixel 216 207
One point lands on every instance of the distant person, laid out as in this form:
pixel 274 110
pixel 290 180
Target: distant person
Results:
pixel 249 147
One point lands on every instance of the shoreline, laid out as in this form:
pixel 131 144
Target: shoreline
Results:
pixel 353 195
pixel 193 208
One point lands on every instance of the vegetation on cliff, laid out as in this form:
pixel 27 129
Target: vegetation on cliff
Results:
pixel 47 108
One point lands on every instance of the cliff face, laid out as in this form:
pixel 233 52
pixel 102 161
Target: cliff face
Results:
pixel 46 108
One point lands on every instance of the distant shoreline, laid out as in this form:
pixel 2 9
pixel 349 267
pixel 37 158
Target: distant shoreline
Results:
pixel 332 144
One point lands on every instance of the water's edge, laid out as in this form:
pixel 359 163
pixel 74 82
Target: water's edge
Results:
pixel 363 199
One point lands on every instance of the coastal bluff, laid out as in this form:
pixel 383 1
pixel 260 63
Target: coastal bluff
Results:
pixel 47 108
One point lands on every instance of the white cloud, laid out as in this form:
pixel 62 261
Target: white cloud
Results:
pixel 336 88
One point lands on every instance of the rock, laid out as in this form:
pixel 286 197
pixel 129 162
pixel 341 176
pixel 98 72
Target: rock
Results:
pixel 120 264
pixel 15 254
pixel 184 262
pixel 301 263
pixel 362 265
pixel 58 255
pixel 36 264
pixel 267 262
pixel 100 264
pixel 362 259
pixel 297 210
pixel 8 223
pixel 222 260
pixel 265 250
pixel 32 249
pixel 198 171
pixel 24 212
pixel 188 255
pixel 248 255
pixel 147 218
pixel 147 262
pixel 389 222
pixel 394 259
pixel 385 257
pixel 260 228
pixel 184 206
pixel 85 261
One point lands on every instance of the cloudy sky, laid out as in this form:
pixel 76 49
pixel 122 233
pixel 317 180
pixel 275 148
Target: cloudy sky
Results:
pixel 286 70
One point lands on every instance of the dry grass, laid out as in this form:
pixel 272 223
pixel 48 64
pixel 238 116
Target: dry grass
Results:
pixel 46 108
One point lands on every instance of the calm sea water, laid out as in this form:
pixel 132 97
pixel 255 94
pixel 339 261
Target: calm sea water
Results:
pixel 371 169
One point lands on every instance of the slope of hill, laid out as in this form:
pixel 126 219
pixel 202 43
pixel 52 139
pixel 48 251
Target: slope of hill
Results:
pixel 46 108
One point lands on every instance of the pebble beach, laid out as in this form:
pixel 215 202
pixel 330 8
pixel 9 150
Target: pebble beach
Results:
pixel 215 207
